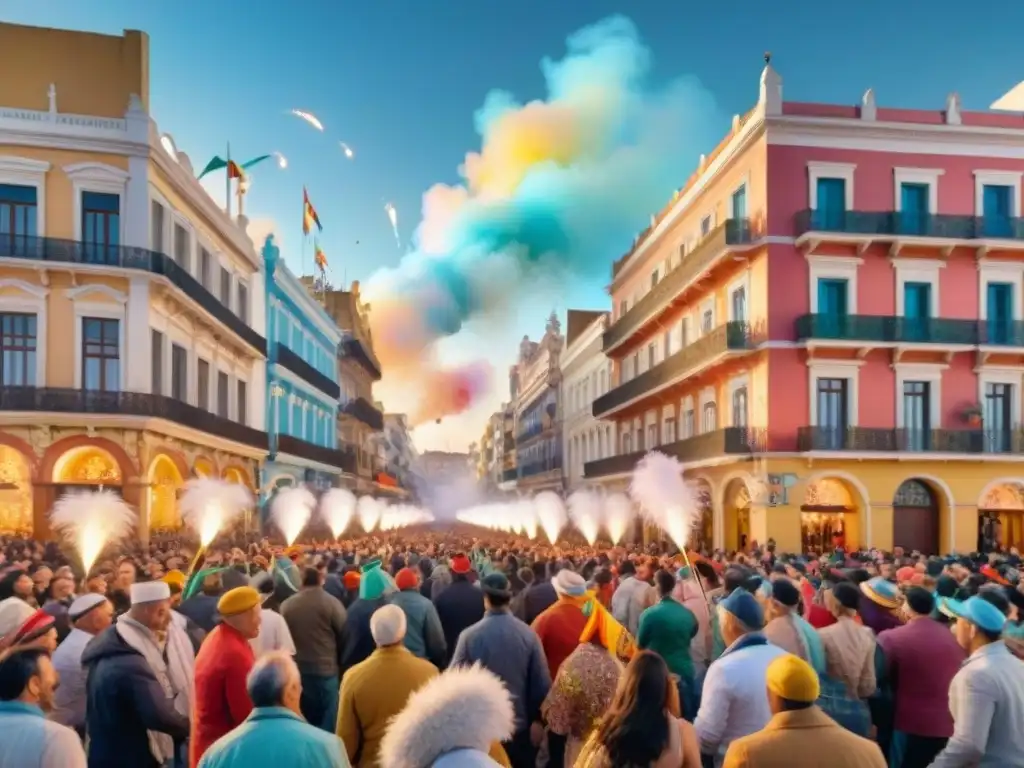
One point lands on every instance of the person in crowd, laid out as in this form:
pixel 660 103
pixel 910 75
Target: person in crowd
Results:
pixel 668 629
pixel 583 690
pixel 627 602
pixel 879 605
pixel 17 583
pixel 453 721
pixel 175 580
pixel 512 651
pixel 40 628
pixel 120 591
pixel 350 581
pixel 61 593
pixel 42 576
pixel 274 634
pixel 559 626
pixel 377 689
pixel 643 726
pixel 139 684
pixel 540 594
pixel 736 577
pixel 275 733
pixel 28 739
pixel 424 636
pixel 201 607
pixel 850 654
pixel 688 593
pixel 222 666
pixel 89 616
pixel 986 697
pixel 13 613
pixel 460 604
pixel 518 604
pixel 733 703
pixel 316 622
pixel 785 627
pixel 799 734
pixel 920 658
pixel 375 588
pixel 333 585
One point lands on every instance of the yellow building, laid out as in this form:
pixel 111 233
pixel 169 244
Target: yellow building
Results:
pixel 131 305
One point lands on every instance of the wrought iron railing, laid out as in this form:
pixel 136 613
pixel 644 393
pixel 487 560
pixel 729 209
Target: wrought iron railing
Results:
pixel 305 371
pixel 910 330
pixel 360 408
pixel 352 347
pixel 902 224
pixel 58 400
pixel 343 458
pixel 868 439
pixel 730 441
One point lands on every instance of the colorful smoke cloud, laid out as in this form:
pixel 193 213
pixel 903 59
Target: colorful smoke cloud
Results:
pixel 559 189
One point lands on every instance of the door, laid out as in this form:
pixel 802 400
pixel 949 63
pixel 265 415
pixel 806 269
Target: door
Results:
pixel 832 304
pixel 917 415
pixel 917 310
pixel 997 209
pixel 913 209
pixel 832 414
pixel 997 416
pixel 739 204
pixel 999 304
pixel 739 305
pixel 830 214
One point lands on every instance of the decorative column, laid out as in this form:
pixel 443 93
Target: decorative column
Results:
pixel 136 207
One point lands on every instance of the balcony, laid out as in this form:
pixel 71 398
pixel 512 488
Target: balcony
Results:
pixel 867 440
pixel 894 226
pixel 353 348
pixel 508 475
pixel 889 329
pixel 731 441
pixel 693 265
pixel 305 371
pixel 363 410
pixel 54 400
pixel 53 251
pixel 533 468
pixel 343 458
pixel 729 337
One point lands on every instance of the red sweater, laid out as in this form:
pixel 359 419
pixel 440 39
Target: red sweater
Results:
pixel 221 699
pixel 559 629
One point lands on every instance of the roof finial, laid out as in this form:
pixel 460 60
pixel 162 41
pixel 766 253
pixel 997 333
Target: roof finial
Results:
pixel 767 57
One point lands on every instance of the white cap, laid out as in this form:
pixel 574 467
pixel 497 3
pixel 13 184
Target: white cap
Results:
pixel 82 605
pixel 150 592
pixel 569 583
pixel 387 625
pixel 13 613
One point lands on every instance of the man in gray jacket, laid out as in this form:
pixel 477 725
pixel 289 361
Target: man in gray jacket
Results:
pixel 424 636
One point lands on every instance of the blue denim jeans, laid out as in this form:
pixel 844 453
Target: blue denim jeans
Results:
pixel 319 701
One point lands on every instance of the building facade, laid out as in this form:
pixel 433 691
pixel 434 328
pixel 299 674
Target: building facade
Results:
pixel 585 376
pixel 489 465
pixel 538 430
pixel 302 384
pixel 359 418
pixel 131 305
pixel 824 325
pixel 399 455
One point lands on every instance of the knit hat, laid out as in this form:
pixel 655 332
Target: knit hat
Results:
pixel 238 600
pixel 374 582
pixel 149 592
pixel 881 592
pixel 744 606
pixel 387 625
pixel 977 611
pixel 407 578
pixel 82 605
pixel 460 564
pixel 13 613
pixel 34 627
pixel 569 583
pixel 791 678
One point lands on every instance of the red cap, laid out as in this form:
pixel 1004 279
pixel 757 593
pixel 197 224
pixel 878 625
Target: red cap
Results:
pixel 35 626
pixel 351 580
pixel 461 564
pixel 407 578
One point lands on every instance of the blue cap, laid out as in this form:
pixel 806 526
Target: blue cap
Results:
pixel 977 611
pixel 882 592
pixel 744 606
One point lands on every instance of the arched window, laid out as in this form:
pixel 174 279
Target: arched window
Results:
pixel 709 418
pixel 913 493
pixel 739 407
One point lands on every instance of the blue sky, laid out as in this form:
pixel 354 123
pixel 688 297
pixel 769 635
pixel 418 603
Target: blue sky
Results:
pixel 399 81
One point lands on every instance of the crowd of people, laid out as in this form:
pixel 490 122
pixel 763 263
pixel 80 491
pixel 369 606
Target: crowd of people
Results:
pixel 463 648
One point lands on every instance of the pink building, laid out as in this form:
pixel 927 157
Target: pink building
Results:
pixel 826 324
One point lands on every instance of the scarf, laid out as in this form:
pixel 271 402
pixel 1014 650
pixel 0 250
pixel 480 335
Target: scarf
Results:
pixel 173 665
pixel 811 642
pixel 612 636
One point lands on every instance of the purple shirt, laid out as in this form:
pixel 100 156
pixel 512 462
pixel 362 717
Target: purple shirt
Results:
pixel 921 659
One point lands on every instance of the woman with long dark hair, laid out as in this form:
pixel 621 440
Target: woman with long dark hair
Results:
pixel 642 728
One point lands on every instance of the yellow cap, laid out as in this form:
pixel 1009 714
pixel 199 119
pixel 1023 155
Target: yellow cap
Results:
pixel 174 577
pixel 238 600
pixel 792 678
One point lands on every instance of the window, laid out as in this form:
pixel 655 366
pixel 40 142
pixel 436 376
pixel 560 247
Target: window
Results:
pixel 243 301
pixel 101 227
pixel 739 203
pixel 739 407
pixel 652 436
pixel 181 245
pixel 997 417
pixel 640 439
pixel 917 414
pixel 670 430
pixel 18 224
pixel 709 417
pixel 689 424
pixel 707 321
pixel 997 210
pixel 205 268
pixel 604 382
pixel 830 211
pixel 739 305
pixel 222 394
pixel 203 384
pixel 17 350
pixel 833 413
pixel 623 307
pixel 156 224
pixel 684 332
pixel 636 363
pixel 668 345
pixel 101 354
pixel 651 356
pixel 626 443
pixel 157 362
pixel 179 373
pixel 225 287
pixel 654 279
pixel 705 226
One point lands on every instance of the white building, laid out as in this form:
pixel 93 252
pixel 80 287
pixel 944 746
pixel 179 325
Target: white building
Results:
pixel 586 374
pixel 538 437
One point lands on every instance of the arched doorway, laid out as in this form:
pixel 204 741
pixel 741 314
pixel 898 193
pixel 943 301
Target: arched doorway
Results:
pixel 1001 517
pixel 737 515
pixel 85 468
pixel 915 517
pixel 827 516
pixel 15 492
pixel 702 535
pixel 203 467
pixel 236 475
pixel 165 482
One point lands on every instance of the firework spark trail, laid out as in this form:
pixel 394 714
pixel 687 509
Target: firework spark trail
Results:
pixel 349 153
pixel 291 509
pixel 392 213
pixel 309 117
pixel 208 505
pixel 282 161
pixel 91 520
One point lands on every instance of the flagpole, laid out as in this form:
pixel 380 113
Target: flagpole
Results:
pixel 227 182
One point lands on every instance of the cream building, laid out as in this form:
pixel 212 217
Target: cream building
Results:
pixel 133 350
pixel 586 374
pixel 538 442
